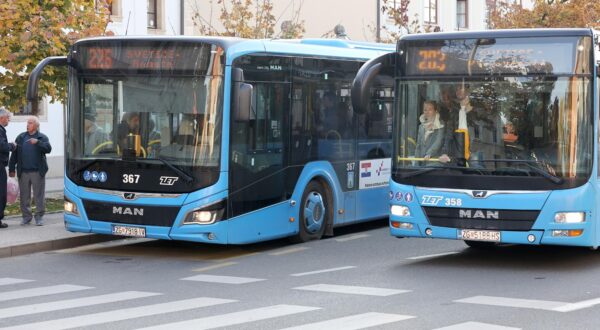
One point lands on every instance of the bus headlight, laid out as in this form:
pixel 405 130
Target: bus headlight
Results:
pixel 569 217
pixel 400 210
pixel 206 215
pixel 71 207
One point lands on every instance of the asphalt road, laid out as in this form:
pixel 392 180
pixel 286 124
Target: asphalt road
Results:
pixel 360 278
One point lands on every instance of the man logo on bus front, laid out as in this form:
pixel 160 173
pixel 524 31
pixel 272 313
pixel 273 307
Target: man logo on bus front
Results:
pixel 479 193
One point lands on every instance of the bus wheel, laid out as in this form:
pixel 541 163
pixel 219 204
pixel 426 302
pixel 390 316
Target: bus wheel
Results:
pixel 314 213
pixel 481 245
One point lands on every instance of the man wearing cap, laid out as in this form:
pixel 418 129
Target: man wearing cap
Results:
pixel 30 161
pixel 5 149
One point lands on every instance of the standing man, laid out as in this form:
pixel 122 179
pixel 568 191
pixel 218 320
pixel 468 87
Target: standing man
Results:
pixel 30 160
pixel 5 148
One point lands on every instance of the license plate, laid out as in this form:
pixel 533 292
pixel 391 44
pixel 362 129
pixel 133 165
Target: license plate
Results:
pixel 479 235
pixel 129 231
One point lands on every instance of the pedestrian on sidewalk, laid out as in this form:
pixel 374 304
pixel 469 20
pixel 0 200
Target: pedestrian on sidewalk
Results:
pixel 31 165
pixel 5 149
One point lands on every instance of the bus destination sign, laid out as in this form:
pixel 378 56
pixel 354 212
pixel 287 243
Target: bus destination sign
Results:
pixel 498 56
pixel 143 56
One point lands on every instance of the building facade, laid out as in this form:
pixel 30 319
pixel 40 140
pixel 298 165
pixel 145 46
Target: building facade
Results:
pixel 360 18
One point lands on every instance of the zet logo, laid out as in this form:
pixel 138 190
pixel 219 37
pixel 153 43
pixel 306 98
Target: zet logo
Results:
pixel 367 172
pixel 168 180
pixel 431 200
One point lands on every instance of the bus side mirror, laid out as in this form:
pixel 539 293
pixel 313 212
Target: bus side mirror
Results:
pixel 366 78
pixel 36 74
pixel 241 101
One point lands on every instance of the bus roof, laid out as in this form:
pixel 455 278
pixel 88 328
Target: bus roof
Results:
pixel 235 47
pixel 510 33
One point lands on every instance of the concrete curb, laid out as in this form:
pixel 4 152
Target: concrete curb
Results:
pixel 57 244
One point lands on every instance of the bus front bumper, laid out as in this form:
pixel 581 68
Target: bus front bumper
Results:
pixel 531 237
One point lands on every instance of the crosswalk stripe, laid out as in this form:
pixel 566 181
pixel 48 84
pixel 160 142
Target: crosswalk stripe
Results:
pixel 215 266
pixel 323 271
pixel 578 305
pixel 433 255
pixel 513 302
pixel 288 251
pixel 9 281
pixel 222 279
pixel 361 290
pixel 41 291
pixel 72 303
pixel 351 237
pixel 476 326
pixel 236 318
pixel 354 322
pixel 122 314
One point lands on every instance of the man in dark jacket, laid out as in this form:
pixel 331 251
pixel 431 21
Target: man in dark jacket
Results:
pixel 5 149
pixel 31 165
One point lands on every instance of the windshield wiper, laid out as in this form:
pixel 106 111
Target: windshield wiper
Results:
pixel 186 177
pixel 544 173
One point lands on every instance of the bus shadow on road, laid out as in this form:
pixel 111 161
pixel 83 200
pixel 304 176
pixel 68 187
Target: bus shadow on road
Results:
pixel 206 252
pixel 516 257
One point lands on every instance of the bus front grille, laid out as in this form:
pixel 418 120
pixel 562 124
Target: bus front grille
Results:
pixel 132 214
pixel 485 219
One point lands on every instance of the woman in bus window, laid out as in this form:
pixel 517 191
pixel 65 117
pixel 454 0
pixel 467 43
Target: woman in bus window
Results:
pixel 430 136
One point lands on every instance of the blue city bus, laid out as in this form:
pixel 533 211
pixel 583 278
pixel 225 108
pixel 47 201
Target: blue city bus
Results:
pixel 221 140
pixel 495 136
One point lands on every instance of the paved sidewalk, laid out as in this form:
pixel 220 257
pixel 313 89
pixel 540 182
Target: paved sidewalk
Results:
pixel 18 240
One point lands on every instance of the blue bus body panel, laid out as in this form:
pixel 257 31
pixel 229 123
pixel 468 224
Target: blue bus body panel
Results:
pixel 581 199
pixel 269 222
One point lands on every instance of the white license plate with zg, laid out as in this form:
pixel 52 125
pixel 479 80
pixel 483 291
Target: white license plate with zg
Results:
pixel 479 235
pixel 129 231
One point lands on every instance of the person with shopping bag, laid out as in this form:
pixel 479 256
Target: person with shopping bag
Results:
pixel 29 158
pixel 5 148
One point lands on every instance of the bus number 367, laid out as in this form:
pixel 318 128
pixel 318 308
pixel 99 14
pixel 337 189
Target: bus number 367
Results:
pixel 131 178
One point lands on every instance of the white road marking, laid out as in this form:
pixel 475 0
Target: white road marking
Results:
pixel 72 303
pixel 288 251
pixel 222 279
pixel 9 281
pixel 41 291
pixel 354 322
pixel 236 318
pixel 216 266
pixel 352 237
pixel 323 271
pixel 360 290
pixel 122 314
pixel 513 302
pixel 476 326
pixel 433 255
pixel 578 305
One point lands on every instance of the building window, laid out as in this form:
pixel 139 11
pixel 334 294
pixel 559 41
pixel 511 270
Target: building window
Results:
pixel 462 21
pixel 152 14
pixel 430 11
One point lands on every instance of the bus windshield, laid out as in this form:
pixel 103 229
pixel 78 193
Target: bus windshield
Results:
pixel 145 106
pixel 173 118
pixel 514 126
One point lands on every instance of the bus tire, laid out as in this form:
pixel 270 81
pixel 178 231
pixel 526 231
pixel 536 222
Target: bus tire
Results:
pixel 481 245
pixel 315 212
